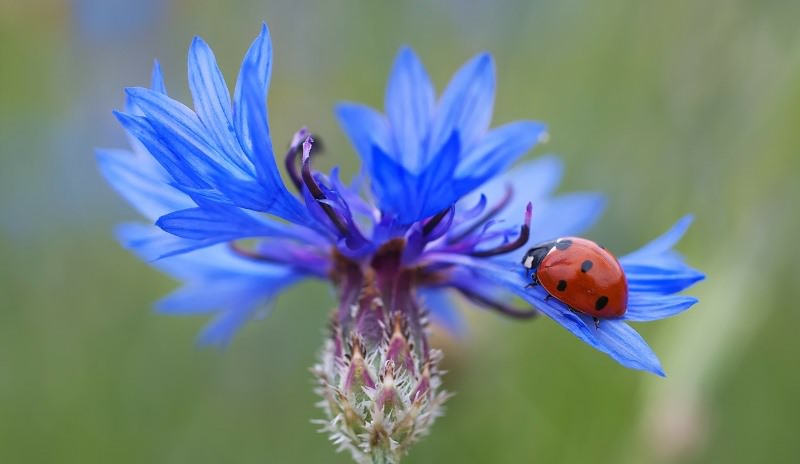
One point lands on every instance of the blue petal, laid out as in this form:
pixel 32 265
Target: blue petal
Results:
pixel 411 197
pixel 157 79
pixel 644 308
pixel 179 130
pixel 203 297
pixel 149 242
pixel 277 199
pixel 174 164
pixel 167 245
pixel 221 330
pixel 156 85
pixel 366 128
pixel 235 299
pixel 409 105
pixel 434 188
pixel 259 59
pixel 500 148
pixel 443 311
pixel 516 281
pixel 664 243
pixel 241 310
pixel 568 214
pixel 511 277
pixel 534 181
pixel 466 105
pixel 216 280
pixel 215 262
pixel 213 103
pixel 614 337
pixel 391 183
pixel 219 223
pixel 531 181
pixel 656 268
pixel 142 182
pixel 626 346
pixel 663 277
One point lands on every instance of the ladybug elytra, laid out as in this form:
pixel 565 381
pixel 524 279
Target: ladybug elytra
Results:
pixel 581 274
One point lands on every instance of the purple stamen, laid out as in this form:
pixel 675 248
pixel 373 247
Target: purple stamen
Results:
pixel 509 193
pixel 521 241
pixel 290 161
pixel 316 191
pixel 435 220
pixel 502 308
pixel 288 254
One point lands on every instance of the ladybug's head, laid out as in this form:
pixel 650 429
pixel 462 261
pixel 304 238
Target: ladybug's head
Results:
pixel 535 255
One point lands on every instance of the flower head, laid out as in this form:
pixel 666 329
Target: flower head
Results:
pixel 440 216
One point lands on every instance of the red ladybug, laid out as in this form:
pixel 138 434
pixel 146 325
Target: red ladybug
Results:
pixel 581 274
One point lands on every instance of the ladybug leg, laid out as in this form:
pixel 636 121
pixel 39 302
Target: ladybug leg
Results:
pixel 596 323
pixel 534 282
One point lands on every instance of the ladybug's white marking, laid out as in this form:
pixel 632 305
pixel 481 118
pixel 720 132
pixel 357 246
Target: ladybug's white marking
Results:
pixel 528 262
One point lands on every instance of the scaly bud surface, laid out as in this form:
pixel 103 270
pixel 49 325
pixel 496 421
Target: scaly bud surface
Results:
pixel 377 374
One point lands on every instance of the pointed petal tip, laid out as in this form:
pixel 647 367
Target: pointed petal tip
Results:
pixel 156 71
pixel 197 49
pixel 340 106
pixel 406 56
pixel 157 78
pixel 121 116
pixel 196 41
pixel 405 50
pixel 262 43
pixel 161 307
pixel 538 129
pixel 137 92
pixel 160 222
pixel 544 137
pixel 681 226
pixel 543 131
pixel 216 334
pixel 343 108
pixel 483 64
pixel 263 34
pixel 484 58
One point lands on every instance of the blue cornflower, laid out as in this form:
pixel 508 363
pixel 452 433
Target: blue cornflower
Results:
pixel 438 217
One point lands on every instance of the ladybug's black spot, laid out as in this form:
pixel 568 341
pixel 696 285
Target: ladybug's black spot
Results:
pixel 586 265
pixel 601 303
pixel 562 285
pixel 563 244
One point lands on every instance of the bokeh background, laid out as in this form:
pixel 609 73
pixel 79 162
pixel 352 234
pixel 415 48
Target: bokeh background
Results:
pixel 669 107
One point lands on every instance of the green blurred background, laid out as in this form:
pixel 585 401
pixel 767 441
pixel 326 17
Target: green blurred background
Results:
pixel 669 107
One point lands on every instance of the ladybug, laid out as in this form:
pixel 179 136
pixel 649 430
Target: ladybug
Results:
pixel 581 274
